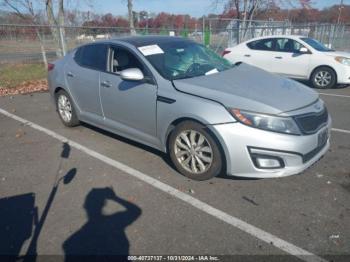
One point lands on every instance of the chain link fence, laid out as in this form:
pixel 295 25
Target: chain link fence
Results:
pixel 230 32
pixel 27 43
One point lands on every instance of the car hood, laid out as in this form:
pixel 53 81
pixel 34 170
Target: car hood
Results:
pixel 250 88
pixel 338 53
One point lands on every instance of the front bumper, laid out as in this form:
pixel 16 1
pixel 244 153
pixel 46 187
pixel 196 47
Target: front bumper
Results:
pixel 343 74
pixel 241 142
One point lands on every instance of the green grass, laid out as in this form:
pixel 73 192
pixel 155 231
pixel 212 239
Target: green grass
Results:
pixel 13 75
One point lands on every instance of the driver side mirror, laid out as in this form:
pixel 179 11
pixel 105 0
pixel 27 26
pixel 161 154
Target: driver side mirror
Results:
pixel 304 50
pixel 132 74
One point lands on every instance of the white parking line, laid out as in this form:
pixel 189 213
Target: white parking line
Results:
pixel 231 220
pixel 325 94
pixel 341 130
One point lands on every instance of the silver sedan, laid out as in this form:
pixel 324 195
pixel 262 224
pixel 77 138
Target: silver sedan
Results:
pixel 181 98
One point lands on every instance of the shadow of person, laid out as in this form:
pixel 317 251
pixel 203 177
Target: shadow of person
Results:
pixel 18 216
pixel 102 234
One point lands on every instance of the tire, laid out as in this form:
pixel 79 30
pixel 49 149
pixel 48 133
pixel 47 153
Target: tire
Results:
pixel 198 156
pixel 323 78
pixel 66 109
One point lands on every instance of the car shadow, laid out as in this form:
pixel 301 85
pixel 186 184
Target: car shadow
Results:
pixel 165 157
pixel 103 234
pixel 236 178
pixel 149 149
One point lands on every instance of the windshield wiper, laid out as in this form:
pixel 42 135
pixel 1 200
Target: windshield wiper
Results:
pixel 184 76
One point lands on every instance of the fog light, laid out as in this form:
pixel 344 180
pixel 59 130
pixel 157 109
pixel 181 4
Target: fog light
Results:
pixel 267 162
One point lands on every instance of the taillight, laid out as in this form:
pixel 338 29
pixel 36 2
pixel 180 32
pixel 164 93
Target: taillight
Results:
pixel 50 67
pixel 225 52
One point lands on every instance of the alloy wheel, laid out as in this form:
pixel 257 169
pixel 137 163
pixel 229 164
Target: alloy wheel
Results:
pixel 64 108
pixel 193 151
pixel 323 78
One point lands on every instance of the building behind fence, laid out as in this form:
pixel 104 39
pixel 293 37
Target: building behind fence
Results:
pixel 25 43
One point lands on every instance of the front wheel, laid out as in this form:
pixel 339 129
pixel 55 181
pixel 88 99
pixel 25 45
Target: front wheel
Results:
pixel 194 152
pixel 323 77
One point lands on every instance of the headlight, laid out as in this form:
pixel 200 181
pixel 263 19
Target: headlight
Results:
pixel 343 60
pixel 266 122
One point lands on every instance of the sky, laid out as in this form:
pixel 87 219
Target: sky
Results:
pixel 195 8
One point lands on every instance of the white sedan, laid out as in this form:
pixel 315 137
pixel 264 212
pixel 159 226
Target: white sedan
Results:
pixel 297 57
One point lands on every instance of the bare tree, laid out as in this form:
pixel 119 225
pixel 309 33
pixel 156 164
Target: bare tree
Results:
pixel 57 25
pixel 53 25
pixel 246 10
pixel 24 9
pixel 131 18
pixel 61 23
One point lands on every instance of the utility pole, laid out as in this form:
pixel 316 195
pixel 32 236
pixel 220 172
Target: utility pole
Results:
pixel 131 18
pixel 340 10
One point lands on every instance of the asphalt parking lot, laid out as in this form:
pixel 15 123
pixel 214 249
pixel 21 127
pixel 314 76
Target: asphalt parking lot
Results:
pixel 85 191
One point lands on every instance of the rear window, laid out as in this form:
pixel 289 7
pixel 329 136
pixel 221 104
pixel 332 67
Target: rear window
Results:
pixel 92 56
pixel 263 44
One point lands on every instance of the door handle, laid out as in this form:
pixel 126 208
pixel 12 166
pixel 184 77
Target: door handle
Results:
pixel 70 74
pixel 247 55
pixel 278 57
pixel 106 84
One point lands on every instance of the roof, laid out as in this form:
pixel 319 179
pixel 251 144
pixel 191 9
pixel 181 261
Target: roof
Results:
pixel 277 36
pixel 150 40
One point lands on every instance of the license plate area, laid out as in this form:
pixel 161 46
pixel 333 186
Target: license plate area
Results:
pixel 322 138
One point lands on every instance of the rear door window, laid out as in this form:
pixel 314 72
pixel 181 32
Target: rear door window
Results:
pixel 92 56
pixel 263 44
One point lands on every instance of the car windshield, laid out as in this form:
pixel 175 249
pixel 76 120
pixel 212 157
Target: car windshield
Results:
pixel 316 45
pixel 185 59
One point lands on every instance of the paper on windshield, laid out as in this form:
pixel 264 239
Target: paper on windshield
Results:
pixel 150 50
pixel 213 71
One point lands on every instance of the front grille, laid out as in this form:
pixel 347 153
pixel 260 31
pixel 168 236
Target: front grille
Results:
pixel 312 122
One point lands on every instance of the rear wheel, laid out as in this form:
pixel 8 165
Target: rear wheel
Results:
pixel 194 152
pixel 323 77
pixel 65 109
